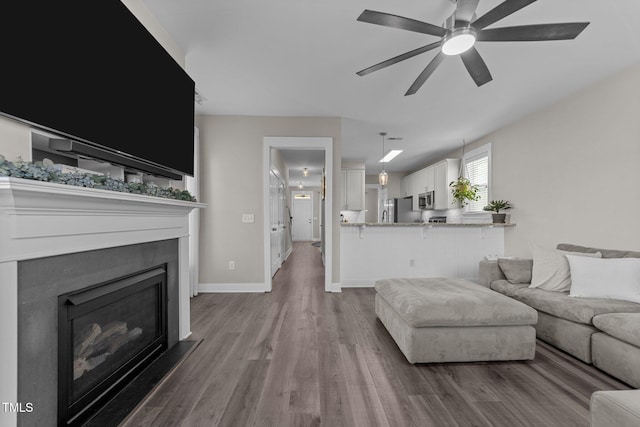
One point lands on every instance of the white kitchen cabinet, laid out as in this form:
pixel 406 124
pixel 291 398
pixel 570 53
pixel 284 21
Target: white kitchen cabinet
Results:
pixel 443 173
pixel 417 183
pixel 428 179
pixel 405 184
pixel 417 187
pixel 352 189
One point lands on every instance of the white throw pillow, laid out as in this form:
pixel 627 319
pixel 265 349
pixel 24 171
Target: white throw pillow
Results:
pixel 614 278
pixel 551 269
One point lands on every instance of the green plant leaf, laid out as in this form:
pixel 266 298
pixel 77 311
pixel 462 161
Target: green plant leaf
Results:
pixel 47 171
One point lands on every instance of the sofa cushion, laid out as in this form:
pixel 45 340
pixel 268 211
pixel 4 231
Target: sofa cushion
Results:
pixel 624 326
pixel 619 408
pixel 560 304
pixel 427 302
pixel 516 270
pixel 616 278
pixel 551 268
pixel 606 253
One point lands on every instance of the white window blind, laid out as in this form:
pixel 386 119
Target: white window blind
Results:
pixel 477 169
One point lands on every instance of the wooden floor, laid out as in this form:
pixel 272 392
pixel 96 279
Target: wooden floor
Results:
pixel 302 357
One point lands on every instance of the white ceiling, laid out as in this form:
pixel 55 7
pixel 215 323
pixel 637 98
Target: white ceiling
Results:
pixel 300 58
pixel 297 160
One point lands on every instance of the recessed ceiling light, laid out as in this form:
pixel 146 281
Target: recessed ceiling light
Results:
pixel 390 156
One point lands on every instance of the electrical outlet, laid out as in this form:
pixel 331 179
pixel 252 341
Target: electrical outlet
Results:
pixel 248 218
pixel 232 265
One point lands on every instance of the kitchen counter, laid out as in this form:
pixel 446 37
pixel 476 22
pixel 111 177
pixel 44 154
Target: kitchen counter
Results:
pixel 423 224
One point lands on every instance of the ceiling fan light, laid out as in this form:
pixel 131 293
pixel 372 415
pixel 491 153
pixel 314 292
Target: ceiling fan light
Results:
pixel 458 41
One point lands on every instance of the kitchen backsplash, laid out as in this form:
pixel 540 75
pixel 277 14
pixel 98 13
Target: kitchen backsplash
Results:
pixel 458 216
pixel 453 216
pixel 354 216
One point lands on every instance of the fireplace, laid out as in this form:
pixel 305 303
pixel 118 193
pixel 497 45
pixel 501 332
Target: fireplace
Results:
pixel 60 240
pixel 107 334
pixel 90 323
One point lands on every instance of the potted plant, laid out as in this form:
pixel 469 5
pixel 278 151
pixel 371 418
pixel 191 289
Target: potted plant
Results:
pixel 463 191
pixel 497 206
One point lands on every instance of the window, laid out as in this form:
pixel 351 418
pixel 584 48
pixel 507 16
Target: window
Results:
pixel 477 168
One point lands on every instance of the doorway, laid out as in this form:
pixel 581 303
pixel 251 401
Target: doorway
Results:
pixel 302 216
pixel 324 144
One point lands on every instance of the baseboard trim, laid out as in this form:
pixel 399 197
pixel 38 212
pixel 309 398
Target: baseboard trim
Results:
pixel 336 287
pixel 231 287
pixel 287 254
pixel 358 283
pixel 363 283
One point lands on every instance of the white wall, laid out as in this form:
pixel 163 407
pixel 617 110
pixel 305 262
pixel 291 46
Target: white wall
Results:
pixel 572 170
pixel 231 184
pixel 15 139
pixel 146 18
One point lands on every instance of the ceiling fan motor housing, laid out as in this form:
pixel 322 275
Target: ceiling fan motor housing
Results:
pixel 451 22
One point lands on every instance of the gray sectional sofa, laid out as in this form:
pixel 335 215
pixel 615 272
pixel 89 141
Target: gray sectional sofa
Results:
pixel 604 332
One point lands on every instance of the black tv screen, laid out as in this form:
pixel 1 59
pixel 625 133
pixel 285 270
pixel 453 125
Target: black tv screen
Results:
pixel 90 71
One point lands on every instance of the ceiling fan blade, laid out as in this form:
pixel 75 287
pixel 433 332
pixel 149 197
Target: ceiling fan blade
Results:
pixel 476 66
pixel 425 74
pixel 529 33
pixel 394 21
pixel 465 10
pixel 502 10
pixel 398 58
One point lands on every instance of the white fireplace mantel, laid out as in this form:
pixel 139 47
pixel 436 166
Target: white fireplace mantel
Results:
pixel 40 219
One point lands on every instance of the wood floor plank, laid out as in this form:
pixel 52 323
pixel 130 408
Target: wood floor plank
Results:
pixel 298 356
pixel 428 411
pixel 365 403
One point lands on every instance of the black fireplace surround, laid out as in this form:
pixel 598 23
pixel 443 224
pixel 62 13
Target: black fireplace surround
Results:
pixel 127 293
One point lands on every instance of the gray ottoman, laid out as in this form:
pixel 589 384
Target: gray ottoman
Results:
pixel 454 320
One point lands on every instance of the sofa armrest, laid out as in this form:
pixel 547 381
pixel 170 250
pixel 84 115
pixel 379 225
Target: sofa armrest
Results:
pixel 490 271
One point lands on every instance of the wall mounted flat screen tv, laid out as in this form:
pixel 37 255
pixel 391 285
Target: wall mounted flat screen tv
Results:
pixel 90 71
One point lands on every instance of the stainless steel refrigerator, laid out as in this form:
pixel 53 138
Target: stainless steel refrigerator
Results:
pixel 400 210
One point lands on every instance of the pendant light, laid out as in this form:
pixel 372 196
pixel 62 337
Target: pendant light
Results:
pixel 383 177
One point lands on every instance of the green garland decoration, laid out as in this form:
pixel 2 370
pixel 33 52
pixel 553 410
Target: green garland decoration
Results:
pixel 48 172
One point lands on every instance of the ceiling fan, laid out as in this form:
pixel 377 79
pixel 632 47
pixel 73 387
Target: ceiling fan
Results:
pixel 461 31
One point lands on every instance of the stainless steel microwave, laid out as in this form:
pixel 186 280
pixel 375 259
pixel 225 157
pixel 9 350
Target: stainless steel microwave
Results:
pixel 426 200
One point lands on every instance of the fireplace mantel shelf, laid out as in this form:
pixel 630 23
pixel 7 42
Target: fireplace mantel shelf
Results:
pixel 43 219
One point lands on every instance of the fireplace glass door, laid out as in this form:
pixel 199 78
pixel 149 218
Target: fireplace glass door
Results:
pixel 108 334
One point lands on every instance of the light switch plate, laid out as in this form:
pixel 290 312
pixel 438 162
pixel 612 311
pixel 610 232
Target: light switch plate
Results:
pixel 248 218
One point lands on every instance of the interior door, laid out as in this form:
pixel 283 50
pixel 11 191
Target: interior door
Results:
pixel 277 221
pixel 302 216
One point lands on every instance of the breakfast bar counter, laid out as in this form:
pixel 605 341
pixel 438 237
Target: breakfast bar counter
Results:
pixel 374 251
pixel 423 224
